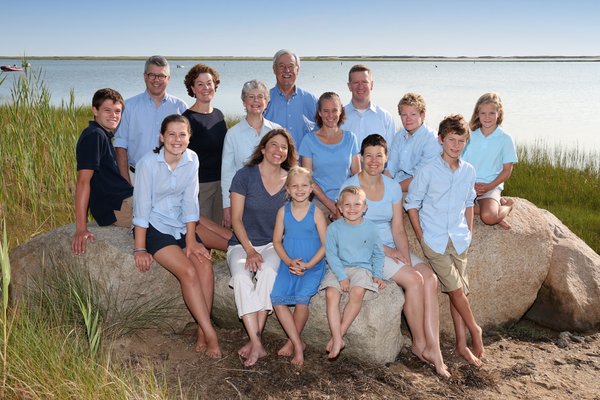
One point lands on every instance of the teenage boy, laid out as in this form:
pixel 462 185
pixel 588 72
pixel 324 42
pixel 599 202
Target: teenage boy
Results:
pixel 440 207
pixel 100 186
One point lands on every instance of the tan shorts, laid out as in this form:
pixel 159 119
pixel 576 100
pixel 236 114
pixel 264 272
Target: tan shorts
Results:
pixel 211 201
pixel 125 214
pixel 359 277
pixel 450 267
pixel 494 194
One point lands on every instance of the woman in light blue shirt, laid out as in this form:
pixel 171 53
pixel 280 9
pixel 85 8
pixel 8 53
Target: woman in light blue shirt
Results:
pixel 384 200
pixel 165 214
pixel 330 153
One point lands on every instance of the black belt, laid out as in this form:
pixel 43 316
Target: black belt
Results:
pixel 132 169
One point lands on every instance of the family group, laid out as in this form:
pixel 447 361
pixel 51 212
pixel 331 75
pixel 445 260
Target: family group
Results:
pixel 304 194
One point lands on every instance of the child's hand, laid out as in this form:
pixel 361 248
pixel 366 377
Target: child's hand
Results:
pixel 143 260
pixel 254 261
pixel 196 249
pixel 297 267
pixel 380 283
pixel 345 284
pixel 80 240
pixel 481 188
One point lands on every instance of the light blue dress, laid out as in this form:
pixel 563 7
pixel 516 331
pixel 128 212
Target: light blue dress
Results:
pixel 300 240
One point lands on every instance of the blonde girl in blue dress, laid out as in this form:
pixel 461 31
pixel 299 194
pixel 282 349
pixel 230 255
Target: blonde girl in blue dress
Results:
pixel 299 240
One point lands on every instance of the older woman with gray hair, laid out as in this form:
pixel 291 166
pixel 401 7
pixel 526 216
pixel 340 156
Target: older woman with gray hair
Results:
pixel 243 138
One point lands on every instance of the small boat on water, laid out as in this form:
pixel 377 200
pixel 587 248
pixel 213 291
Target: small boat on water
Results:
pixel 10 68
pixel 180 66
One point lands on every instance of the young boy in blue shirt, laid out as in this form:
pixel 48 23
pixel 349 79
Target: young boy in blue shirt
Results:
pixel 440 207
pixel 100 187
pixel 355 258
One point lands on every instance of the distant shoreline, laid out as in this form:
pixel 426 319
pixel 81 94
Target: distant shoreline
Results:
pixel 335 58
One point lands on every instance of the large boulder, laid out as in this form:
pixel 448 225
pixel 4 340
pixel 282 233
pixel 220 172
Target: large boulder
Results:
pixel 569 298
pixel 373 336
pixel 108 262
pixel 506 268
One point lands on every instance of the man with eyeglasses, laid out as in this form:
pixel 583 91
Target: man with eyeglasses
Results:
pixel 290 106
pixel 363 117
pixel 139 129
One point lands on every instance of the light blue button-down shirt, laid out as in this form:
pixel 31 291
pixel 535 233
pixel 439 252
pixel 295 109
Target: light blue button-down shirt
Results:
pixel 489 154
pixel 297 114
pixel 165 198
pixel 372 120
pixel 240 142
pixel 140 125
pixel 410 152
pixel 441 196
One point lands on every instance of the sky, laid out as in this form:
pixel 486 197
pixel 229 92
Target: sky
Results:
pixel 308 27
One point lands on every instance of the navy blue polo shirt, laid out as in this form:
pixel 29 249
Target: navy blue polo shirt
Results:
pixel 108 188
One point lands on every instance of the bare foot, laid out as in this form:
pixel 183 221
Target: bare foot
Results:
pixel 329 345
pixel 470 357
pixel 506 202
pixel 256 353
pixel 287 350
pixel 477 340
pixel 298 359
pixel 336 348
pixel 200 341
pixel 434 357
pixel 245 350
pixel 213 350
pixel 419 353
pixel 504 225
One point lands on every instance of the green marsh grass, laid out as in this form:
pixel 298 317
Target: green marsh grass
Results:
pixel 564 181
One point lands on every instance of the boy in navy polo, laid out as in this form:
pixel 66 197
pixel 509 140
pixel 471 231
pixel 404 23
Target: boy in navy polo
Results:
pixel 100 187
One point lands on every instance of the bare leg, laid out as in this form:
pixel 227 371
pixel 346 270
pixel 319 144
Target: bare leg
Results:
pixel 300 317
pixel 432 352
pixel 207 282
pixel 492 213
pixel 348 316
pixel 286 319
pixel 213 236
pixel 332 298
pixel 255 349
pixel 411 282
pixel 175 261
pixel 463 316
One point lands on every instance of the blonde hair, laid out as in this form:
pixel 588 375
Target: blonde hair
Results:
pixel 355 190
pixel 487 98
pixel 298 171
pixel 413 99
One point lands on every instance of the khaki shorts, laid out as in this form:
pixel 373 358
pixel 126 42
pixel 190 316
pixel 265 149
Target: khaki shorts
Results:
pixel 450 267
pixel 211 201
pixel 359 277
pixel 125 214
pixel 494 194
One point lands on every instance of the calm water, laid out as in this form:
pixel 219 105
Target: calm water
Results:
pixel 555 102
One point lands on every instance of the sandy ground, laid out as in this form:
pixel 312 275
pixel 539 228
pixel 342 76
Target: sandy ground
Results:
pixel 522 362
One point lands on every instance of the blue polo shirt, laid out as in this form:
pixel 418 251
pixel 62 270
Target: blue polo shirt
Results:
pixel 297 114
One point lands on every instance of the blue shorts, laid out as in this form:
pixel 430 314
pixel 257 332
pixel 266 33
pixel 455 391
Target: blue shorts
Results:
pixel 156 240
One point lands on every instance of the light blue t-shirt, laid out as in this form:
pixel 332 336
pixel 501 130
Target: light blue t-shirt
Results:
pixel 297 114
pixel 489 154
pixel 139 128
pixel 381 212
pixel 331 163
pixel 441 196
pixel 165 198
pixel 410 152
pixel 349 245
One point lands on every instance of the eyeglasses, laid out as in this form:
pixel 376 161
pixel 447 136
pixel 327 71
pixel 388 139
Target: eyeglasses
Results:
pixel 253 97
pixel 154 77
pixel 284 67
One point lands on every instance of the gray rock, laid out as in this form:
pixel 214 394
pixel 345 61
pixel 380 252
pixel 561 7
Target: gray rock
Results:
pixel 570 295
pixel 108 261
